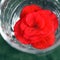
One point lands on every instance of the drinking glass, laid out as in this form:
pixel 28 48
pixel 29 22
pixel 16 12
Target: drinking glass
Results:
pixel 9 15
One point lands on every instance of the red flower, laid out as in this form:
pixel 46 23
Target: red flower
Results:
pixel 36 27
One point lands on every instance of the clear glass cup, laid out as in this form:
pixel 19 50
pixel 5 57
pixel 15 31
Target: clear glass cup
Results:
pixel 9 14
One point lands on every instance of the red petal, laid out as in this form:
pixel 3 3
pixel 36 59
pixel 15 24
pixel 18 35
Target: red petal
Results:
pixel 19 34
pixel 44 13
pixel 55 21
pixel 49 27
pixel 30 19
pixel 29 9
pixel 45 42
pixel 50 39
pixel 23 26
pixel 17 29
pixel 47 14
pixel 22 40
